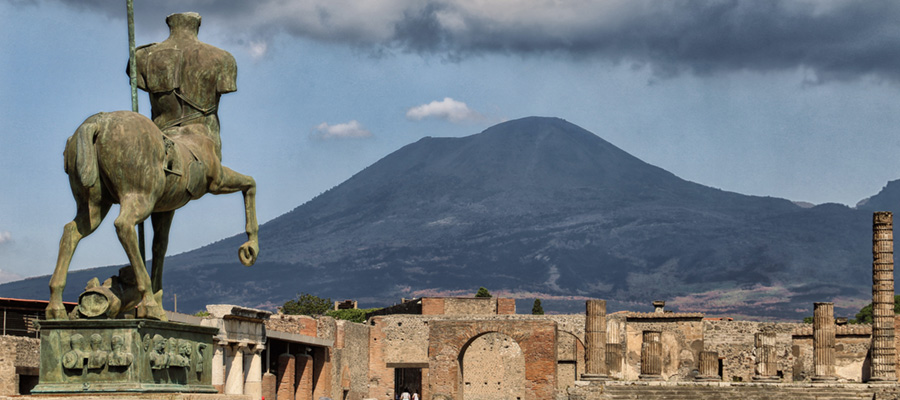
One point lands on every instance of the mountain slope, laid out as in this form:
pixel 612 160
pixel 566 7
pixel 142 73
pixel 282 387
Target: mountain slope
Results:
pixel 538 207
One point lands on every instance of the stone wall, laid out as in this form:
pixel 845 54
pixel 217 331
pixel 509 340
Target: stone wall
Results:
pixel 470 306
pixel 297 324
pixel 734 341
pixel 682 342
pixel 17 352
pixel 493 368
pixel 351 361
pixel 852 344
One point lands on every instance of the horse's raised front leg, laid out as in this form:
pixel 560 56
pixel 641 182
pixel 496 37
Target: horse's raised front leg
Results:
pixel 230 182
pixel 133 209
pixel 90 212
pixel 162 221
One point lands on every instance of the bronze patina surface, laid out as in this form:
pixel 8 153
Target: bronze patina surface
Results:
pixel 151 168
pixel 125 355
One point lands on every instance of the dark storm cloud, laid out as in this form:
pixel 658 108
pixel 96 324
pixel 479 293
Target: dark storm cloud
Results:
pixel 832 39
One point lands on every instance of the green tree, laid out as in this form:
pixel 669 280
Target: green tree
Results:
pixel 864 316
pixel 307 304
pixel 482 292
pixel 537 309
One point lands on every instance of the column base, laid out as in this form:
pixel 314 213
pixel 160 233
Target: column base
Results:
pixel 766 379
pixel 645 377
pixel 824 378
pixel 594 377
pixel 879 380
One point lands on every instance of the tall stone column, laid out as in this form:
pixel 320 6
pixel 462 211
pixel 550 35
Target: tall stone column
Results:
pixel 234 380
pixel 766 360
pixel 709 366
pixel 595 340
pixel 286 377
pixel 253 383
pixel 218 366
pixel 884 355
pixel 651 356
pixel 823 341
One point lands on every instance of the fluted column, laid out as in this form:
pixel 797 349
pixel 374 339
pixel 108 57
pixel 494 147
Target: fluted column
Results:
pixel 884 355
pixel 234 380
pixel 823 341
pixel 766 360
pixel 651 356
pixel 709 366
pixel 595 340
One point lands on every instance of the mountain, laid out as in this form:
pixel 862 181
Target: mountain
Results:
pixel 536 207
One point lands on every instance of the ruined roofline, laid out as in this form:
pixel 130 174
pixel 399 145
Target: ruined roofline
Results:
pixel 840 330
pixel 633 315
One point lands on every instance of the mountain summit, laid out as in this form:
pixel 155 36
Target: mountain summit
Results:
pixel 541 208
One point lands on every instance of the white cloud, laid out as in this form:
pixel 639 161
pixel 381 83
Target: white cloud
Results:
pixel 448 109
pixel 257 49
pixel 5 237
pixel 349 130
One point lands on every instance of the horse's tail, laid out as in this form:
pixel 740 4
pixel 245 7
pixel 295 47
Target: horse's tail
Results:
pixel 80 156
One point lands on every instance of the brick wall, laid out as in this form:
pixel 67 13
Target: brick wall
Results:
pixel 535 337
pixel 432 306
pixel 351 362
pixel 506 306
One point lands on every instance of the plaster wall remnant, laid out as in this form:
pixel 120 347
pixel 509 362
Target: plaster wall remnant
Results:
pixel 884 352
pixel 823 341
pixel 493 367
pixel 595 340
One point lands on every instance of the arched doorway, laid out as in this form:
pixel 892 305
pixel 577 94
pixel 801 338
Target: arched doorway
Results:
pixel 492 367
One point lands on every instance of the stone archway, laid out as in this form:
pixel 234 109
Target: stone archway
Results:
pixel 448 340
pixel 492 368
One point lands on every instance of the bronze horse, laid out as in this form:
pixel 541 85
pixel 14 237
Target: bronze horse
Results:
pixel 123 157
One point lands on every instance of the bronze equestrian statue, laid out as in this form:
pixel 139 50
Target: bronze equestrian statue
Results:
pixel 151 168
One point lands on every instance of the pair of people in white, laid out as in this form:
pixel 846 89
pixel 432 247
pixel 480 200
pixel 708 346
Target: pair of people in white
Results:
pixel 406 396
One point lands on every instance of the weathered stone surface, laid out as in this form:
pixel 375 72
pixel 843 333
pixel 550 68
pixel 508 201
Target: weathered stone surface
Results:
pixel 823 341
pixel 125 356
pixel 884 355
pixel 595 340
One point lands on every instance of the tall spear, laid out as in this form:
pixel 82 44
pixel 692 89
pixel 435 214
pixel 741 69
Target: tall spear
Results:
pixel 134 102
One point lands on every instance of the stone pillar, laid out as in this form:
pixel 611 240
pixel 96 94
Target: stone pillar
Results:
pixel 304 377
pixel 218 366
pixel 269 386
pixel 595 341
pixel 823 341
pixel 253 383
pixel 766 360
pixel 651 356
pixel 285 377
pixel 614 358
pixel 234 380
pixel 709 366
pixel 884 356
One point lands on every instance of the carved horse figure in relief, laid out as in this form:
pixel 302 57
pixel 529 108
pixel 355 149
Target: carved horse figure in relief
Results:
pixel 123 158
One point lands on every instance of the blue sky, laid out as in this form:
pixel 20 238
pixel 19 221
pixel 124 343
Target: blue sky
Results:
pixel 786 98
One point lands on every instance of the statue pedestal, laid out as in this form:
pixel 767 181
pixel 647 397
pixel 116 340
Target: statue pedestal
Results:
pixel 125 355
